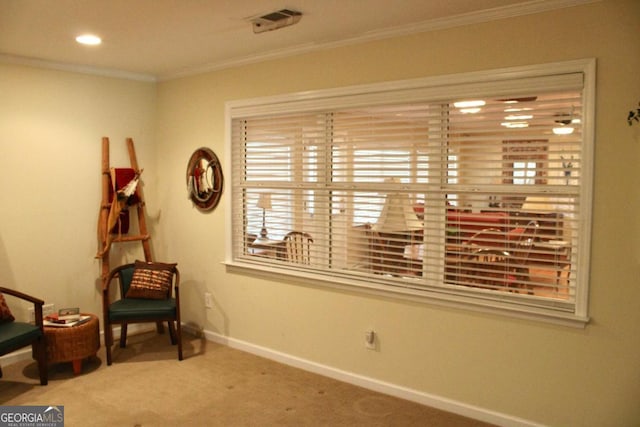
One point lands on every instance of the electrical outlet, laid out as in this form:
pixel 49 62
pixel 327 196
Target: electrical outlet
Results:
pixel 370 339
pixel 208 300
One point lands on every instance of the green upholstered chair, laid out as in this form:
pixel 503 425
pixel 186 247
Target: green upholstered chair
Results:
pixel 126 309
pixel 15 335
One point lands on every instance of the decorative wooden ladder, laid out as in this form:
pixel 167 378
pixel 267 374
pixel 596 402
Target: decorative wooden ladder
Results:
pixel 104 234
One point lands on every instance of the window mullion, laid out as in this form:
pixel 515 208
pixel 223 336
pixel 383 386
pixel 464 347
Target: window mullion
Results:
pixel 435 203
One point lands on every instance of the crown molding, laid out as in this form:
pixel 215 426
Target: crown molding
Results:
pixel 75 68
pixel 528 8
pixel 505 12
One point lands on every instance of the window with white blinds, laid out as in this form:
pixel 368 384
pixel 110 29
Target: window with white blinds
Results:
pixel 476 191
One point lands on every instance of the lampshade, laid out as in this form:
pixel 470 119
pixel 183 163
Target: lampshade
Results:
pixel 264 201
pixel 538 203
pixel 397 215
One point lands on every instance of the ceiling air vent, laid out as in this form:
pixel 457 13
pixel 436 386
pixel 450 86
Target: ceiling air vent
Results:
pixel 275 20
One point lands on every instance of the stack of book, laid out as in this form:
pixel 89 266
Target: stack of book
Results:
pixel 65 318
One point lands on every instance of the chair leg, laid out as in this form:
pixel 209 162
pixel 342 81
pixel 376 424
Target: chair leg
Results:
pixel 39 351
pixel 0 371
pixel 123 335
pixel 108 340
pixel 172 332
pixel 179 333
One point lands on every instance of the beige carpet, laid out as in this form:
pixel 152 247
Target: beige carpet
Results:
pixel 214 385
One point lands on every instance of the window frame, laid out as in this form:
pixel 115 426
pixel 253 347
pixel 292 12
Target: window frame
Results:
pixel 474 84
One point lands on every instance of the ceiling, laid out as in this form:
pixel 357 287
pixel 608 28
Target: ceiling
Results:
pixel 164 39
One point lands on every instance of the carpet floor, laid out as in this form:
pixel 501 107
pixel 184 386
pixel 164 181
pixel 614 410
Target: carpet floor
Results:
pixel 215 385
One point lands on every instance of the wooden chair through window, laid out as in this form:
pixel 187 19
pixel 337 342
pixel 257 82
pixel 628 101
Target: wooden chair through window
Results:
pixel 492 261
pixel 524 244
pixel 15 335
pixel 297 247
pixel 522 251
pixel 138 309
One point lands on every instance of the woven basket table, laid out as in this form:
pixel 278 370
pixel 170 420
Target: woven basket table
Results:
pixel 73 344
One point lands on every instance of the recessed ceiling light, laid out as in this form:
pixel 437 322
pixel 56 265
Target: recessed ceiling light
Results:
pixel 519 117
pixel 516 109
pixel 469 104
pixel 469 107
pixel 515 125
pixel 89 39
pixel 563 130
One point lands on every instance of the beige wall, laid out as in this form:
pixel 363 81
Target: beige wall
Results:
pixel 50 132
pixel 51 125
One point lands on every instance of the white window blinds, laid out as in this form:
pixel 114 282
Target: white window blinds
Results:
pixel 480 202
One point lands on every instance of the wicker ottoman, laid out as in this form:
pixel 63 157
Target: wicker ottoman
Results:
pixel 73 344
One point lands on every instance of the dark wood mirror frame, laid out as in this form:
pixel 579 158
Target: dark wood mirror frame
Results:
pixel 204 179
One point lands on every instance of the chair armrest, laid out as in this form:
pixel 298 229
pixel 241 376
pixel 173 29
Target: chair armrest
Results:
pixel 21 295
pixel 176 283
pixel 107 283
pixel 112 274
pixel 37 302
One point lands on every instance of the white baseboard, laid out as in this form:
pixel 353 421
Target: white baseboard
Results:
pixel 16 356
pixel 434 401
pixel 395 390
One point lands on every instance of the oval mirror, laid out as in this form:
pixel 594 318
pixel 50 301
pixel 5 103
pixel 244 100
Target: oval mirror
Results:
pixel 204 179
